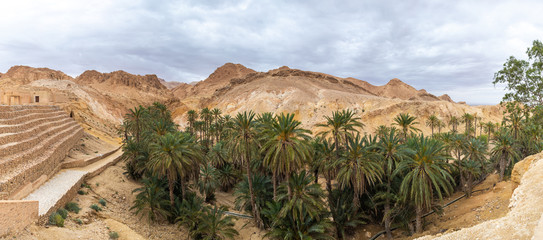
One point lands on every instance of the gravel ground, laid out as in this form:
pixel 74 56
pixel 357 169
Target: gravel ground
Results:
pixel 50 192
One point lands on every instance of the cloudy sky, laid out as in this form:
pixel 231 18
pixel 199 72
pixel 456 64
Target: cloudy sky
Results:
pixel 449 47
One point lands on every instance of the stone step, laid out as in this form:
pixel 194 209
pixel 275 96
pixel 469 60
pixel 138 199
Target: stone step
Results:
pixel 24 110
pixel 10 163
pixel 46 163
pixel 14 128
pixel 13 148
pixel 35 129
pixel 23 119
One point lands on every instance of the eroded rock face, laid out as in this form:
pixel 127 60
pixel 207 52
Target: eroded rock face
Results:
pixel 526 209
pixel 25 74
pixel 121 78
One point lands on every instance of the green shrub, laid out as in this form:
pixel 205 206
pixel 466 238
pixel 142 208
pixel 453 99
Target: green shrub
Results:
pixel 96 207
pixel 81 192
pixel 102 202
pixel 113 235
pixel 72 207
pixel 56 219
pixel 78 221
pixel 62 212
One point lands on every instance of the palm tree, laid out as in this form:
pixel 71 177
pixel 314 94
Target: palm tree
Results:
pixel 407 123
pixel 338 126
pixel 243 146
pixel 472 169
pixel 300 215
pixel 476 150
pixel 304 195
pixel 286 148
pixel 192 116
pixel 432 122
pixel 173 156
pixel 228 176
pixel 513 121
pixel 135 121
pixel 504 150
pixel 358 167
pixel 467 119
pixel 427 175
pixel 453 122
pixel 262 191
pixel 208 181
pixel 351 123
pixel 489 128
pixel 215 225
pixel 151 199
pixel 457 145
pixel 391 153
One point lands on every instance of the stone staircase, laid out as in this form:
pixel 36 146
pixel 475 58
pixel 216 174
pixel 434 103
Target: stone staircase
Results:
pixel 33 142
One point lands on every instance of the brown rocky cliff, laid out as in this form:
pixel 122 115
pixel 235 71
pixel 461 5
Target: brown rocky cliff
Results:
pixel 220 78
pixel 26 74
pixel 121 78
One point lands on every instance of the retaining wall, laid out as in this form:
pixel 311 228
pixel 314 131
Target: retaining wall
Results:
pixel 16 215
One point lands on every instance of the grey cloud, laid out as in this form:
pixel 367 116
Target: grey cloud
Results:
pixel 443 46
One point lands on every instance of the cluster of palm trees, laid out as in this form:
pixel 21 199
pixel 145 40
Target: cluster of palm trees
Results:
pixel 274 167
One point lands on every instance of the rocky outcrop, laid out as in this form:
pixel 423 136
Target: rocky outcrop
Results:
pixel 26 74
pixel 169 85
pixel 121 78
pixel 523 219
pixel 220 78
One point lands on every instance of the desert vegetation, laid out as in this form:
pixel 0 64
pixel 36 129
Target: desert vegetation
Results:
pixel 297 184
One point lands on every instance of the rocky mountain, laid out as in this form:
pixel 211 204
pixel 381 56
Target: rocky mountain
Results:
pixel 218 79
pixel 26 74
pixel 121 78
pixel 311 95
pixel 169 85
pixel 104 98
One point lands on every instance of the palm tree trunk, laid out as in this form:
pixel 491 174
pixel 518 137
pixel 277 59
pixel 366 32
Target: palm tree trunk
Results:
pixel 274 180
pixel 170 185
pixel 256 211
pixel 470 185
pixel 418 219
pixel 316 175
pixel 387 211
pixel 502 168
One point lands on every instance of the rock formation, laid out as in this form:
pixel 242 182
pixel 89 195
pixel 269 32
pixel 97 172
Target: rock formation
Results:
pixel 525 208
pixel 25 74
pixel 312 95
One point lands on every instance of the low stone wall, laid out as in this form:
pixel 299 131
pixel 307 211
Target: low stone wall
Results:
pixel 16 215
pixel 86 162
pixel 21 120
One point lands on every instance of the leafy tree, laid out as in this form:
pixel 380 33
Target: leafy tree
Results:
pixel 453 122
pixel 523 78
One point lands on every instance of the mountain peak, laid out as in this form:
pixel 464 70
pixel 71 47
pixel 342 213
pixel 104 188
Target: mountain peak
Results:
pixel 26 74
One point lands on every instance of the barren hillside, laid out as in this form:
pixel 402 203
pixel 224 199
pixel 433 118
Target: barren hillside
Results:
pixel 312 95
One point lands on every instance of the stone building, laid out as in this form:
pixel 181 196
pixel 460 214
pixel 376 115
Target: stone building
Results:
pixel 29 96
